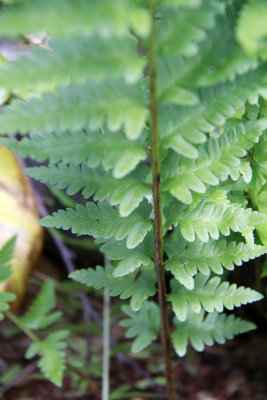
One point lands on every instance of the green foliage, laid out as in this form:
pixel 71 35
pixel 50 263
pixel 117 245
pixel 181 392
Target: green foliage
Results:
pixel 5 298
pixel 128 192
pixel 39 315
pixel 258 189
pixel 210 295
pixel 76 59
pixel 186 259
pixel 203 330
pixel 190 25
pixel 51 348
pixel 208 220
pixel 218 159
pixel 6 254
pixel 144 324
pixel 92 104
pixel 122 157
pixel 137 286
pixel 84 111
pixel 182 125
pixel 68 17
pixel 130 259
pixel 251 29
pixel 264 270
pixel 103 221
pixel 52 356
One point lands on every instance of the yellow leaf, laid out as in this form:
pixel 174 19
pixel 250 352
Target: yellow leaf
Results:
pixel 18 216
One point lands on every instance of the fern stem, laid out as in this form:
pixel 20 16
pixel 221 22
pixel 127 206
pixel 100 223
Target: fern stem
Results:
pixel 165 333
pixel 22 326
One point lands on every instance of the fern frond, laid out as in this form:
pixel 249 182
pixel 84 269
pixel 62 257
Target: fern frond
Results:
pixel 251 27
pixel 179 72
pixel 208 220
pixel 86 109
pixel 128 192
pixel 138 287
pixel 220 58
pixel 203 330
pixel 75 107
pixel 103 221
pixel 52 356
pixel 186 259
pixel 144 324
pixel 217 159
pixel 113 151
pixel 181 3
pixel 73 60
pixel 182 126
pixel 210 295
pixel 39 315
pixel 181 28
pixel 65 17
pixel 6 254
pixel 5 298
pixel 259 164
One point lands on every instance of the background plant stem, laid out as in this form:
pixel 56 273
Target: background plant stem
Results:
pixel 106 342
pixel 165 334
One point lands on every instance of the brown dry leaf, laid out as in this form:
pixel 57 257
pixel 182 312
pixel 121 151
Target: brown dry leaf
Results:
pixel 18 216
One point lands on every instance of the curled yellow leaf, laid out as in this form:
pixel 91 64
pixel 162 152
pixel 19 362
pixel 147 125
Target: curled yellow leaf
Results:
pixel 18 217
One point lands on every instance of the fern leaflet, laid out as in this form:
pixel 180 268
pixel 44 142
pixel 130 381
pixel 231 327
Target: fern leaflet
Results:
pixel 203 330
pixel 144 324
pixel 52 356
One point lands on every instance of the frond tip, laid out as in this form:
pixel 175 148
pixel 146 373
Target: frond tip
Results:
pixel 201 330
pixel 39 315
pixel 210 295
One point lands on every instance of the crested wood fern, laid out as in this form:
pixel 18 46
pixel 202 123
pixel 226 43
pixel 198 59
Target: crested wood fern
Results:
pixel 155 112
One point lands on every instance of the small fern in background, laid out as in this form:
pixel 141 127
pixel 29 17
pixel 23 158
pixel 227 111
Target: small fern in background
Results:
pixel 38 317
pixel 157 110
pixel 6 254
pixel 51 349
